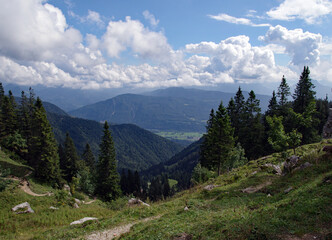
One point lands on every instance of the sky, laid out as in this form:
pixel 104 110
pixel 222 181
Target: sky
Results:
pixel 112 44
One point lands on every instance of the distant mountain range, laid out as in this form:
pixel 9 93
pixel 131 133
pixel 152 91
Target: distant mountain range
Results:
pixel 71 99
pixel 171 109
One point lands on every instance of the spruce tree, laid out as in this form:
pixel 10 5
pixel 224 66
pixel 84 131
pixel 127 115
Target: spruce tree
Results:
pixel 218 142
pixel 283 92
pixel 89 158
pixel 44 147
pixel 304 93
pixel 107 185
pixel 71 160
pixel 137 184
pixel 273 106
pixel 252 134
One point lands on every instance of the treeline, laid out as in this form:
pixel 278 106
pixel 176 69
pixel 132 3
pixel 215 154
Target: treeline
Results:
pixel 26 134
pixel 155 189
pixel 240 131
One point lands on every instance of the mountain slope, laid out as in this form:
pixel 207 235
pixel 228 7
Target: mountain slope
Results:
pixel 136 148
pixel 179 167
pixel 173 109
pixel 293 206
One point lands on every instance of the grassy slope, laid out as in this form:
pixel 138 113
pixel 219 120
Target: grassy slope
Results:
pixel 223 213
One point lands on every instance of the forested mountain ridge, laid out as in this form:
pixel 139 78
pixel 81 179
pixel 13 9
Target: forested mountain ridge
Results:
pixel 136 148
pixel 172 109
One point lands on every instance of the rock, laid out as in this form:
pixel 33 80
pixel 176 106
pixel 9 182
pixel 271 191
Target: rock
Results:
pixel 186 208
pixel 253 173
pixel 210 187
pixel 54 208
pixel 288 190
pixel 23 205
pixel 66 187
pixel 303 166
pixel 77 201
pixel 76 205
pixel 84 220
pixel 290 164
pixel 136 201
pixel 276 168
pixel 269 195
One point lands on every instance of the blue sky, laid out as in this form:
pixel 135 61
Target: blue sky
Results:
pixel 152 44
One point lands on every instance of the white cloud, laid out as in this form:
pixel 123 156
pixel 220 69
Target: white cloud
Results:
pixel 151 18
pixel 242 21
pixel 310 11
pixel 92 17
pixel 132 34
pixel 303 47
pixel 236 58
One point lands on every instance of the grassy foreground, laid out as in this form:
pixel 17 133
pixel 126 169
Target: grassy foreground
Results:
pixel 222 213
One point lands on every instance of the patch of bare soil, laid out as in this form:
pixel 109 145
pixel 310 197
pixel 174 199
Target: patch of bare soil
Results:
pixel 253 189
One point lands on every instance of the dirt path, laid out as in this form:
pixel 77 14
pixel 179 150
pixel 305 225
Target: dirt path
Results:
pixel 92 201
pixel 24 185
pixel 117 231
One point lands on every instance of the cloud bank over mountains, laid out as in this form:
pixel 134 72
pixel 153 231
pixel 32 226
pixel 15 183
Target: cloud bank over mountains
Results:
pixel 37 46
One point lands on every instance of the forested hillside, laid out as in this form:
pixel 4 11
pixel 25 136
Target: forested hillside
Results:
pixel 136 148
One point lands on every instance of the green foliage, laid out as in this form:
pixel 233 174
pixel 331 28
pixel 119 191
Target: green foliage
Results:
pixel 107 185
pixel 283 92
pixel 44 148
pixel 70 161
pixel 200 175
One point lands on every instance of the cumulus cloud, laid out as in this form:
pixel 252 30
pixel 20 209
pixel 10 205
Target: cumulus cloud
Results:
pixel 303 47
pixel 132 34
pixel 310 11
pixel 237 58
pixel 151 18
pixel 242 21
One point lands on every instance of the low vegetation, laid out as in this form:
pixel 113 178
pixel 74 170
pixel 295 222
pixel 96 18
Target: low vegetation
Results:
pixel 225 212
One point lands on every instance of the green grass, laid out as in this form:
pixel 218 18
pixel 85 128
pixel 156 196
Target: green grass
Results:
pixel 18 168
pixel 222 213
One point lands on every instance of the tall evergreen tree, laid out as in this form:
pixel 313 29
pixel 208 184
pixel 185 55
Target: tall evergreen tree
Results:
pixel 71 159
pixel 89 158
pixel 208 142
pixel 107 177
pixel 283 92
pixel 137 184
pixel 238 118
pixel 8 118
pixel 273 106
pixel 252 133
pixel 304 93
pixel 124 182
pixel 219 141
pixel 44 147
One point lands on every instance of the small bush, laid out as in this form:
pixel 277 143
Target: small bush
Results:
pixel 78 195
pixel 117 204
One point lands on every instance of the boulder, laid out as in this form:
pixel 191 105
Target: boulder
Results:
pixel 136 201
pixel 84 220
pixel 276 168
pixel 54 208
pixel 23 205
pixel 77 201
pixel 183 236
pixel 303 166
pixel 76 205
pixel 290 164
pixel 288 190
pixel 186 208
pixel 210 187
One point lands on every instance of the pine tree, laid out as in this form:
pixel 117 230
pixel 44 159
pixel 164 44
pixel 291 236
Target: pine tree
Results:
pixel 252 134
pixel 273 106
pixel 44 147
pixel 238 118
pixel 304 93
pixel 283 92
pixel 8 118
pixel 107 185
pixel 218 141
pixel 89 158
pixel 124 182
pixel 71 160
